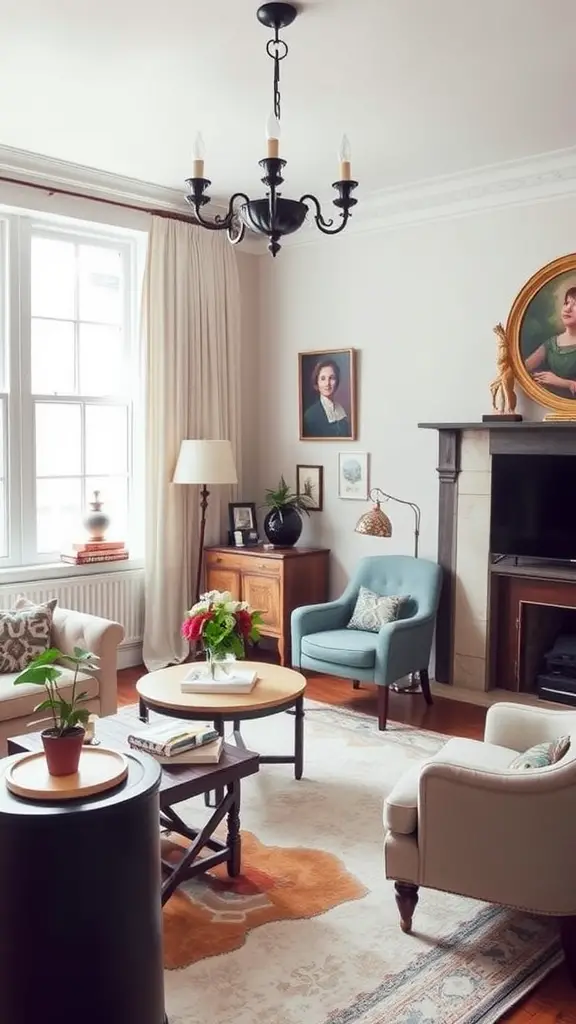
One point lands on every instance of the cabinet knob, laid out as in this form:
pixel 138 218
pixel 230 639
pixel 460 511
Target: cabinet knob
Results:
pixel 218 559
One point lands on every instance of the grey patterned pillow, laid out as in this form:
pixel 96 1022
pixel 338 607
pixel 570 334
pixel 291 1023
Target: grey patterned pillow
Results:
pixel 373 611
pixel 24 633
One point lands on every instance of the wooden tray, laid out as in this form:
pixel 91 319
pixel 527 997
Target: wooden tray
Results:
pixel 100 769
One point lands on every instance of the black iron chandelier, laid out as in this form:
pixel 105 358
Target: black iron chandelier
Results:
pixel 273 215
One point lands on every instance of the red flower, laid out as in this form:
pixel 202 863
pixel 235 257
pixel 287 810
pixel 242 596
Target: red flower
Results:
pixel 244 622
pixel 192 628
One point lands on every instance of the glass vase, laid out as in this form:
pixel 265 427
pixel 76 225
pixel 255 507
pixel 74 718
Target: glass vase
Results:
pixel 216 662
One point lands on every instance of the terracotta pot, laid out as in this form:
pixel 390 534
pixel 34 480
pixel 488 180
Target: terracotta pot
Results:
pixel 63 752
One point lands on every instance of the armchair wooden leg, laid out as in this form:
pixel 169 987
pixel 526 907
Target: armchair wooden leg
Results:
pixel 425 684
pixel 382 705
pixel 355 684
pixel 568 934
pixel 406 900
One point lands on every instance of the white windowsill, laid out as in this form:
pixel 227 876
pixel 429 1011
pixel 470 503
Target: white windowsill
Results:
pixel 62 570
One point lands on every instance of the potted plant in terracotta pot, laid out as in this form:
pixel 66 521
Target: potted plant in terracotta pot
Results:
pixel 283 522
pixel 63 738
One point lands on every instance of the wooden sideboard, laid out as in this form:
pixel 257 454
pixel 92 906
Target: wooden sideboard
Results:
pixel 275 581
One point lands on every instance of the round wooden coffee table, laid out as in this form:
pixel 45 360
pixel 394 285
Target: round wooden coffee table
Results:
pixel 277 689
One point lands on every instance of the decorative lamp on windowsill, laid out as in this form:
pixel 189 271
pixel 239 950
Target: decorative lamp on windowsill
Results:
pixel 204 462
pixel 376 523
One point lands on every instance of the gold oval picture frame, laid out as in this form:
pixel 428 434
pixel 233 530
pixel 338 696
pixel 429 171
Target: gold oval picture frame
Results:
pixel 539 329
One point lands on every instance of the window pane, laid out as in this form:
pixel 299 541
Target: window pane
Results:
pixel 58 514
pixel 106 440
pixel 58 439
pixel 53 278
pixel 114 498
pixel 52 357
pixel 101 360
pixel 100 282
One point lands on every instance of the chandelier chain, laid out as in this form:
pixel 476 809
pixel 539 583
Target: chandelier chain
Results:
pixel 277 49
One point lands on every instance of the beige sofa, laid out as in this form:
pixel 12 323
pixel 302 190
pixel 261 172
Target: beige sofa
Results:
pixel 69 630
pixel 463 822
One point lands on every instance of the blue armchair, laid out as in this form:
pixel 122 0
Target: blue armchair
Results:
pixel 321 642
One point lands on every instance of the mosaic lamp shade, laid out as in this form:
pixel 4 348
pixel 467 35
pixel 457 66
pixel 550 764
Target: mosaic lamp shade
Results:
pixel 374 523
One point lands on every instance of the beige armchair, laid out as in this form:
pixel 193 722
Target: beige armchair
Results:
pixel 69 629
pixel 463 822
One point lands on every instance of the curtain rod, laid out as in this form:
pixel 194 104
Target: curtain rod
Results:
pixel 52 190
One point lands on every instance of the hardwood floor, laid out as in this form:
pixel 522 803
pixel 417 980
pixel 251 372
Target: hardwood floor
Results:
pixel 554 1000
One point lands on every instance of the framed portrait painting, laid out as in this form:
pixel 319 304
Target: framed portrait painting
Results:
pixel 541 337
pixel 327 393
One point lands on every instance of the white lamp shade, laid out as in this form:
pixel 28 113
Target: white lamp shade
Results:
pixel 205 462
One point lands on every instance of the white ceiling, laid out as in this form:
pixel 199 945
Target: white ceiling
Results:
pixel 422 87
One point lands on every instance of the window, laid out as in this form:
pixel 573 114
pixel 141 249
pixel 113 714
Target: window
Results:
pixel 68 386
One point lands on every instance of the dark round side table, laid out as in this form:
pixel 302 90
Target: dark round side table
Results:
pixel 80 910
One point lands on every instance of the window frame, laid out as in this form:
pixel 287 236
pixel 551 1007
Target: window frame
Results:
pixel 18 403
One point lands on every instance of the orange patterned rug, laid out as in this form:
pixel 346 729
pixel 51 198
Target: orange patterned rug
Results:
pixel 213 913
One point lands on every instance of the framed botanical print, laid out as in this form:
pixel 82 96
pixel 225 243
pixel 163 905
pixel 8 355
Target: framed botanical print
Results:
pixel 541 337
pixel 353 475
pixel 327 395
pixel 310 483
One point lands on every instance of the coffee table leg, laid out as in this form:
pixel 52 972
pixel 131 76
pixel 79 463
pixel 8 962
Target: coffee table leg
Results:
pixel 299 738
pixel 142 710
pixel 218 793
pixel 233 840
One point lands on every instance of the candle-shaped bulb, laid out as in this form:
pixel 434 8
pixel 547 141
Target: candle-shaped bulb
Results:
pixel 198 153
pixel 345 156
pixel 272 135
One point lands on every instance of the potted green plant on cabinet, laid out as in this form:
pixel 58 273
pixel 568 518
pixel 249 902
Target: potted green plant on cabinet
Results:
pixel 283 521
pixel 63 738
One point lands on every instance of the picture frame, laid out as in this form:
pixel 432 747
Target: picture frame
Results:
pixel 540 337
pixel 327 395
pixel 242 516
pixel 314 476
pixel 353 471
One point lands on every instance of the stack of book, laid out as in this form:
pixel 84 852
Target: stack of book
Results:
pixel 178 742
pixel 96 551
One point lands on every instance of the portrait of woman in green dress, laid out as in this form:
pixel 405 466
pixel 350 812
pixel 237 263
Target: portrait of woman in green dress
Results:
pixel 553 363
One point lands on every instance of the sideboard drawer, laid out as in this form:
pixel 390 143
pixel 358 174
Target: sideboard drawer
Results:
pixel 243 562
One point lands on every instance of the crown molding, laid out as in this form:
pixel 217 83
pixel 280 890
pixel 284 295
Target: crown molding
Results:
pixel 538 178
pixel 42 170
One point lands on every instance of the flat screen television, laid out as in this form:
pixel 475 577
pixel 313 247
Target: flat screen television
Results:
pixel 533 506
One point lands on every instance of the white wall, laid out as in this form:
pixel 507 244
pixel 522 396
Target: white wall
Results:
pixel 419 304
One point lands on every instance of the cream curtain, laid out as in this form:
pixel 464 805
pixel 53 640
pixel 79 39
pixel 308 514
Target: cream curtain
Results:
pixel 191 320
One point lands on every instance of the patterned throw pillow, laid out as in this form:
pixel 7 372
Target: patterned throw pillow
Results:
pixel 24 633
pixel 542 754
pixel 373 611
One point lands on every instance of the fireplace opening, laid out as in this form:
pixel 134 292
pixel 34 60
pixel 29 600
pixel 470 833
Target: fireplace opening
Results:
pixel 547 651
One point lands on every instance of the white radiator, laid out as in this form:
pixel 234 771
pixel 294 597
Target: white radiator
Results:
pixel 115 595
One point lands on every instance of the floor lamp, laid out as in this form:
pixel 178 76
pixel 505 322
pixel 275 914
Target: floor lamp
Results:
pixel 376 523
pixel 203 463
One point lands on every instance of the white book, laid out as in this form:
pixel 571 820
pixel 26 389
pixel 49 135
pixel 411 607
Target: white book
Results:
pixel 230 680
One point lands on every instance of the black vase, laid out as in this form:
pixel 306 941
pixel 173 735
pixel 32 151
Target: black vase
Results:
pixel 283 528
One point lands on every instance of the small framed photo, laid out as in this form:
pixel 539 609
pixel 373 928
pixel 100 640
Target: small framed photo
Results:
pixel 353 475
pixel 242 515
pixel 310 483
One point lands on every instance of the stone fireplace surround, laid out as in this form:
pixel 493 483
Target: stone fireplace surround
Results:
pixel 463 644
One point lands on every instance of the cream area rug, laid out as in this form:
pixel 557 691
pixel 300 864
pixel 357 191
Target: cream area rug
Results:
pixel 466 962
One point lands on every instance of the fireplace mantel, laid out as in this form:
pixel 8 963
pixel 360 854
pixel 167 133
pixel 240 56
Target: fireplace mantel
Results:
pixel 551 437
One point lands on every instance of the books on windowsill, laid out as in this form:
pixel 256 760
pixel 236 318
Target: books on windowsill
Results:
pixel 228 680
pixel 96 551
pixel 208 753
pixel 169 739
